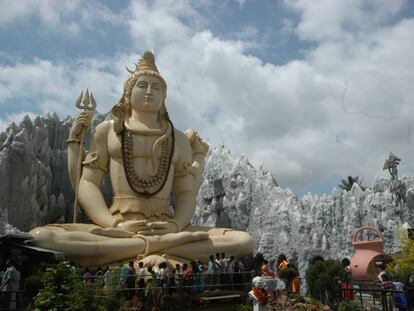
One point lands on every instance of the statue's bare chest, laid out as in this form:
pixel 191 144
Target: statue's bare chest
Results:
pixel 141 146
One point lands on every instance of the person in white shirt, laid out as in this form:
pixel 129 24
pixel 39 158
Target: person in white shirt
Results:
pixel 162 276
pixel 231 270
pixel 108 278
pixel 224 277
pixel 218 263
pixel 219 268
pixel 140 281
pixel 10 284
pixel 231 264
pixel 211 271
pixel 178 276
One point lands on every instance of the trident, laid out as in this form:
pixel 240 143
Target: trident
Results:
pixel 88 104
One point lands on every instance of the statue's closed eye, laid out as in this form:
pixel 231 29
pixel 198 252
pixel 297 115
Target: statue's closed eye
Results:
pixel 156 86
pixel 142 84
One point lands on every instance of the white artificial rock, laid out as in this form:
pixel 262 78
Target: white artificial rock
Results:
pixel 301 228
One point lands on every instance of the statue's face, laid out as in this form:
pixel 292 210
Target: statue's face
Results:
pixel 147 94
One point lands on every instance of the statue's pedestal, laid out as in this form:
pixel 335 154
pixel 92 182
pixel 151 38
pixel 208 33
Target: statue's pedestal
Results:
pixel 256 305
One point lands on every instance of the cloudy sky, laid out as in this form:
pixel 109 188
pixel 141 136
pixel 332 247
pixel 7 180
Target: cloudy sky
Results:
pixel 312 90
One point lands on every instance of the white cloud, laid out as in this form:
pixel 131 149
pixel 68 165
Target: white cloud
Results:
pixel 159 23
pixel 53 86
pixel 333 19
pixel 241 2
pixel 68 17
pixel 10 10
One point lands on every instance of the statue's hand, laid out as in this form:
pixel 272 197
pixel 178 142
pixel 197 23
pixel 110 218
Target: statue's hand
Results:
pixel 159 228
pixel 111 232
pixel 133 225
pixel 81 123
pixel 125 229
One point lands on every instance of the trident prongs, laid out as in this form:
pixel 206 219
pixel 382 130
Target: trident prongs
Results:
pixel 86 100
pixel 88 103
pixel 93 102
pixel 78 100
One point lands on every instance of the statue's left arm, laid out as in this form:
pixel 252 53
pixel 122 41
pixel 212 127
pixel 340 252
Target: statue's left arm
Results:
pixel 188 176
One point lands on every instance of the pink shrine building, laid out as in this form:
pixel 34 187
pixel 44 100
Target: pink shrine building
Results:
pixel 369 254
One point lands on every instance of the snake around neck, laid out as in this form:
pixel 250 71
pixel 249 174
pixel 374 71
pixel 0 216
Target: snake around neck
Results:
pixel 153 184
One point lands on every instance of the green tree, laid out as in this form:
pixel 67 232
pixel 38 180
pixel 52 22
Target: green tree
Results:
pixel 324 279
pixel 346 184
pixel 348 306
pixel 63 289
pixel 287 275
pixel 403 268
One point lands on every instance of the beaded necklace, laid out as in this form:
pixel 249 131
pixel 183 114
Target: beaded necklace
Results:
pixel 151 185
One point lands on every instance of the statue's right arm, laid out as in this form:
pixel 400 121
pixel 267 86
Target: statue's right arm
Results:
pixel 95 167
pixel 79 127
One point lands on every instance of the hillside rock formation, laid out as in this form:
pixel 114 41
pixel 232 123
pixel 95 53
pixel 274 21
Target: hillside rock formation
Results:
pixel 235 194
pixel 34 187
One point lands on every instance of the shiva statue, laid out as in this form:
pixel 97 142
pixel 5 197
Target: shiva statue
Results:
pixel 150 164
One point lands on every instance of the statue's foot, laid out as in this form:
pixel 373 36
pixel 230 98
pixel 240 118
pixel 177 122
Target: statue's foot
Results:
pixel 157 243
pixel 154 260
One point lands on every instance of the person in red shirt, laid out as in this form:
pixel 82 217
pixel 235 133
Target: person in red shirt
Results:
pixel 265 270
pixel 187 273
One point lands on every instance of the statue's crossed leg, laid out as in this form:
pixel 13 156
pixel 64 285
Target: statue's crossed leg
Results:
pixel 89 249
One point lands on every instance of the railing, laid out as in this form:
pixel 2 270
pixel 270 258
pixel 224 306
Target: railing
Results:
pixel 124 292
pixel 380 299
pixel 12 300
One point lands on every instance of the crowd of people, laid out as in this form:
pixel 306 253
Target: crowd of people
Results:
pixel 284 271
pixel 393 294
pixel 386 281
pixel 146 285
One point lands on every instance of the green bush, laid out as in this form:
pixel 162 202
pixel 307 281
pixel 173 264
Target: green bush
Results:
pixel 348 306
pixel 324 279
pixel 31 286
pixel 287 275
pixel 402 268
pixel 244 307
pixel 63 289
